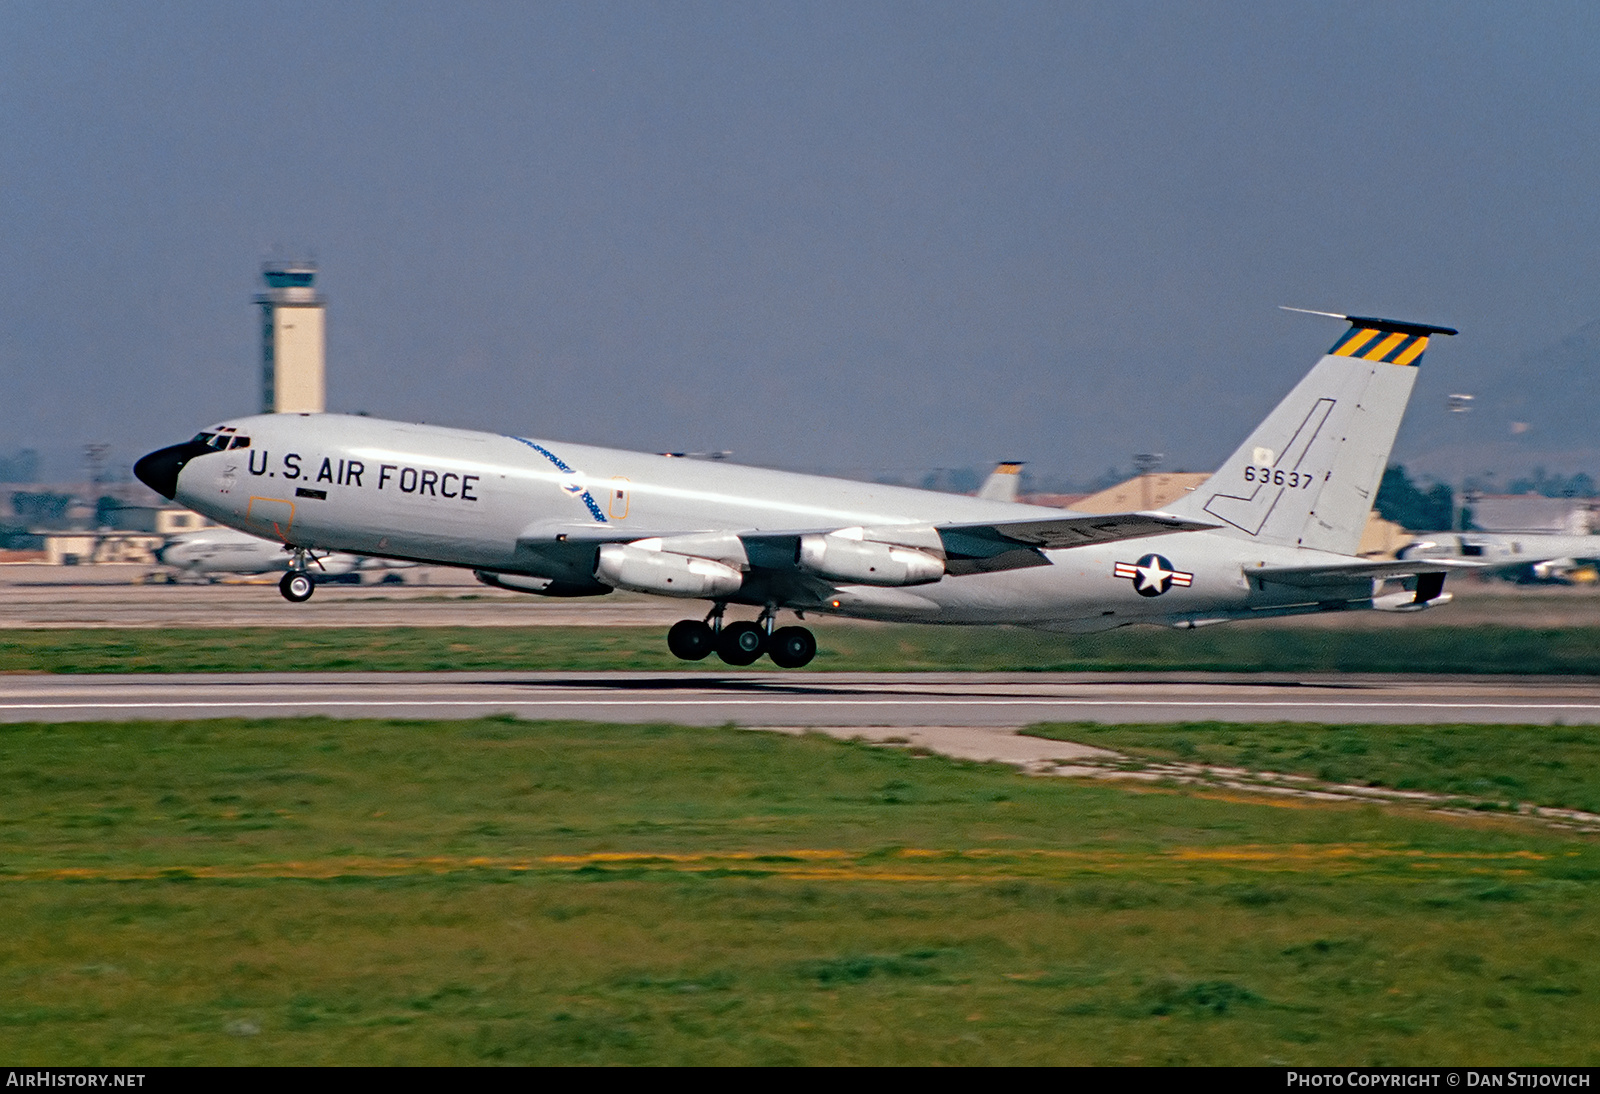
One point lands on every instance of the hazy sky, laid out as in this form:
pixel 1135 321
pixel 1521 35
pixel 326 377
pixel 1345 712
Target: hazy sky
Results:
pixel 823 235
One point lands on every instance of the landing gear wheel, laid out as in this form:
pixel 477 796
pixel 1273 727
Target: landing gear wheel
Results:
pixel 691 640
pixel 297 586
pixel 791 647
pixel 741 643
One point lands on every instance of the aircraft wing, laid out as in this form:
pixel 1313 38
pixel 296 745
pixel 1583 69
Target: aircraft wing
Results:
pixel 1310 577
pixel 978 548
pixel 1008 545
pixel 967 548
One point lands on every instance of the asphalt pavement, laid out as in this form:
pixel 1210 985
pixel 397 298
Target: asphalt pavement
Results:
pixel 802 699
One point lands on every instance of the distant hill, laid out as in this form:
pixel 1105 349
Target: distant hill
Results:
pixel 1555 390
pixel 1541 410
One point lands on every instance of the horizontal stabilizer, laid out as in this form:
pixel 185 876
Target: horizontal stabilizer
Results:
pixel 1310 577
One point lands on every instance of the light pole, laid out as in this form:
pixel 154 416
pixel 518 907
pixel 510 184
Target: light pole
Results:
pixel 1145 463
pixel 1462 405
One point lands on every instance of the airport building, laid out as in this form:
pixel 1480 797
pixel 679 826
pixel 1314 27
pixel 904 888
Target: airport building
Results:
pixel 103 521
pixel 1533 513
pixel 292 340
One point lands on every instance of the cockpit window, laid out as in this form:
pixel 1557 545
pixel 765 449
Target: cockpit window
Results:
pixel 241 442
pixel 211 440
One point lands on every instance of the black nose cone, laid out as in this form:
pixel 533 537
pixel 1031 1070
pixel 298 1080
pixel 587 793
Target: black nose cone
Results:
pixel 159 470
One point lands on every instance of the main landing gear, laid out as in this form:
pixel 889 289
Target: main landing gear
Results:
pixel 296 585
pixel 740 643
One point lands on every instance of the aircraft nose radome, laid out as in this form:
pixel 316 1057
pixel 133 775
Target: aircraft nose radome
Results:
pixel 159 470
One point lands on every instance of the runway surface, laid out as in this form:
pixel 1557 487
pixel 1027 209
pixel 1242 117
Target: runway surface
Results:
pixel 38 597
pixel 839 700
pixel 49 597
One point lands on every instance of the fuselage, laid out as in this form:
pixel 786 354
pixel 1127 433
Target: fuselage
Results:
pixel 461 498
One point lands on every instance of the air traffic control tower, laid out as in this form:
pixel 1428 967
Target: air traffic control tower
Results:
pixel 292 340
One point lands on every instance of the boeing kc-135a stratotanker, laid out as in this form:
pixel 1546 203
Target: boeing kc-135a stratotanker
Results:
pixel 1273 533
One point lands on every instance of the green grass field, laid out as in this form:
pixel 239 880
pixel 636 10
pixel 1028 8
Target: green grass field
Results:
pixel 1556 766
pixel 1244 648
pixel 496 891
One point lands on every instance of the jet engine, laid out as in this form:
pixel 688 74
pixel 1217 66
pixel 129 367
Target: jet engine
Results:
pixel 643 570
pixel 1554 569
pixel 845 558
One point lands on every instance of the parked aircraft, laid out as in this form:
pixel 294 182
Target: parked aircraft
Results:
pixel 1545 557
pixel 1272 533
pixel 1002 483
pixel 209 552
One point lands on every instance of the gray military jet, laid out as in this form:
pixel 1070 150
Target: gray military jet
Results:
pixel 207 553
pixel 1542 556
pixel 1273 533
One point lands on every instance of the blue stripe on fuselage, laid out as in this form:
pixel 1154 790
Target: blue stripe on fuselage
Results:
pixel 561 465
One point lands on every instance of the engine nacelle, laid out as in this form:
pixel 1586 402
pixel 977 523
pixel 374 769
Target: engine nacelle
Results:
pixel 1406 601
pixel 1554 568
pixel 628 566
pixel 865 563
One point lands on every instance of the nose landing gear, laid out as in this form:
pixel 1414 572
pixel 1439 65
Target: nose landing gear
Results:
pixel 296 585
pixel 740 643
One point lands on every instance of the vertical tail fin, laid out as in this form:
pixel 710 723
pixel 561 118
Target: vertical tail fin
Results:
pixel 1308 474
pixel 1001 485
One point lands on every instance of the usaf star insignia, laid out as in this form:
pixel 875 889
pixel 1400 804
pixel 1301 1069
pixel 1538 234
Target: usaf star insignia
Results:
pixel 1152 575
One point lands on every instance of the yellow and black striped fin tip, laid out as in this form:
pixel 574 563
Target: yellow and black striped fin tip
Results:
pixel 1008 467
pixel 1390 340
